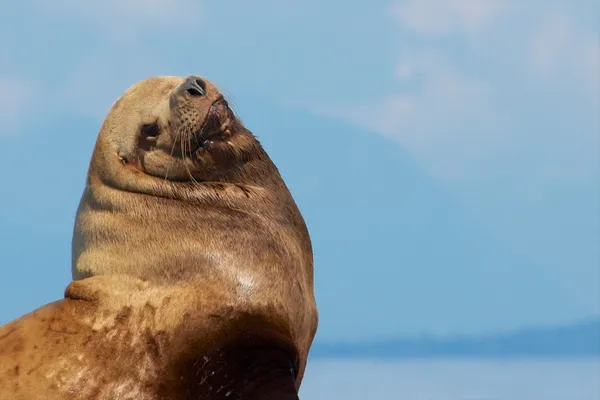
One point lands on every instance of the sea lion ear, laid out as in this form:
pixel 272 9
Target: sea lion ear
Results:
pixel 92 289
pixel 82 290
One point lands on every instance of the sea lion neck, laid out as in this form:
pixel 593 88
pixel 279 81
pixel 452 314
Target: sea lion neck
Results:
pixel 232 186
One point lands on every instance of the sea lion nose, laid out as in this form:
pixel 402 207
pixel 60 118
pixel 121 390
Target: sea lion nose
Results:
pixel 194 86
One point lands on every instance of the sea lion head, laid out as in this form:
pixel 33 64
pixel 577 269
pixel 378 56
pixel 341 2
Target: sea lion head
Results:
pixel 174 129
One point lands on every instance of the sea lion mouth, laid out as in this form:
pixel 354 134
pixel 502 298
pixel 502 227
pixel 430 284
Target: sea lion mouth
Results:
pixel 218 124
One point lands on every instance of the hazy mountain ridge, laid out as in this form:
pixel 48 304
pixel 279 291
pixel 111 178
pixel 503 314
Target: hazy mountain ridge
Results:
pixel 576 340
pixel 389 240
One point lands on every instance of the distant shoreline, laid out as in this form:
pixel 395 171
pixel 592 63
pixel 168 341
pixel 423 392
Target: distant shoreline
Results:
pixel 577 341
pixel 317 355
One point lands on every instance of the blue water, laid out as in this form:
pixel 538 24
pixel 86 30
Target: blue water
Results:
pixel 452 380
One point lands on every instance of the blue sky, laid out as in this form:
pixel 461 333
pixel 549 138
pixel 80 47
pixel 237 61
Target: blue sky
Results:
pixel 445 153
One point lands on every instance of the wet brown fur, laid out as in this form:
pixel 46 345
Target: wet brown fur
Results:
pixel 193 268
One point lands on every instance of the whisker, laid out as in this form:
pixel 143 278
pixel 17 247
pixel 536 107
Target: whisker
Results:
pixel 189 145
pixel 171 160
pixel 196 140
pixel 230 99
pixel 183 152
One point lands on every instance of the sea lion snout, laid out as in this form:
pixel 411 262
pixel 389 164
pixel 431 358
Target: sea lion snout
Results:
pixel 200 91
pixel 194 86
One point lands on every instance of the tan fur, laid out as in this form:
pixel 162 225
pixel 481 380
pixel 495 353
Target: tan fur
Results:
pixel 180 253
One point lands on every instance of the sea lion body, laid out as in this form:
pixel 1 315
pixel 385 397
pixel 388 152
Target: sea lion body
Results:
pixel 187 232
pixel 118 338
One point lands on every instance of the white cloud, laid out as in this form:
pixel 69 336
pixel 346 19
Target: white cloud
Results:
pixel 81 94
pixel 481 111
pixel 125 19
pixel 558 49
pixel 121 48
pixel 15 96
pixel 448 122
pixel 439 16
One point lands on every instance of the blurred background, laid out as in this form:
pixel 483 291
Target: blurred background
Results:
pixel 445 155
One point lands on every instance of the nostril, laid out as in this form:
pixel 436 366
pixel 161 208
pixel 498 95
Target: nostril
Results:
pixel 196 87
pixel 195 91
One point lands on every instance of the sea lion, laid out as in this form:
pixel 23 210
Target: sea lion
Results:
pixel 193 266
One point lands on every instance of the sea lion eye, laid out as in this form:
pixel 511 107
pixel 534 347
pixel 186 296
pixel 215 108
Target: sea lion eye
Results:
pixel 150 131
